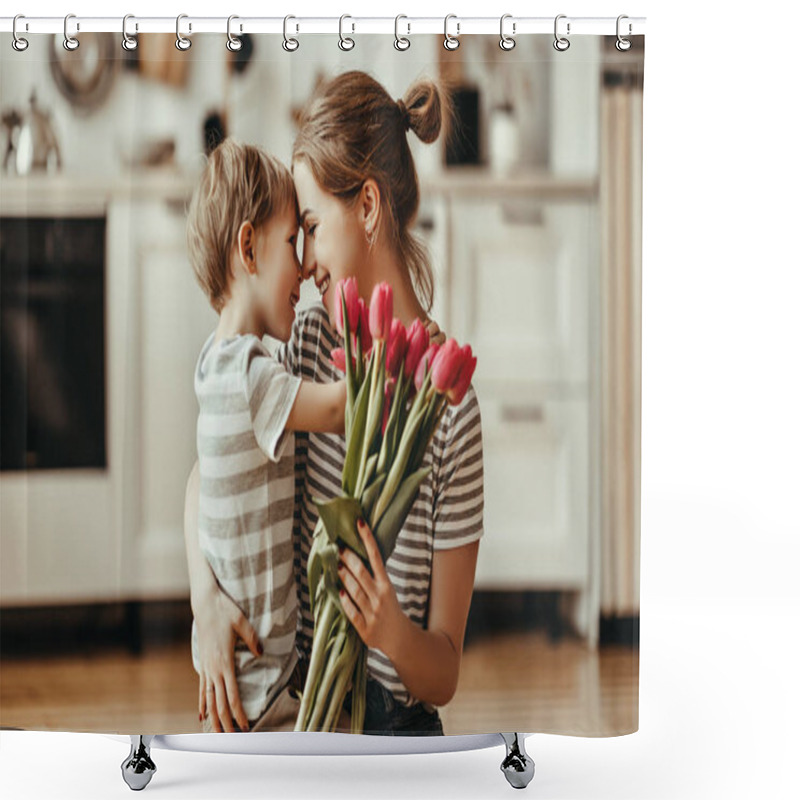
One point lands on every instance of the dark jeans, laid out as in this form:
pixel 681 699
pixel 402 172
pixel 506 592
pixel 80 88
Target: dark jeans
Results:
pixel 384 716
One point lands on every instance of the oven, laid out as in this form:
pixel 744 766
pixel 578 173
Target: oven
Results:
pixel 52 344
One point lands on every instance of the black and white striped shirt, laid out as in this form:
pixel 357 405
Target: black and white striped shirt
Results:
pixel 447 513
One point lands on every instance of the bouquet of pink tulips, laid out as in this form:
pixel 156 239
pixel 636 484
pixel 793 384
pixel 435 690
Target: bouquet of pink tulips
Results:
pixel 398 388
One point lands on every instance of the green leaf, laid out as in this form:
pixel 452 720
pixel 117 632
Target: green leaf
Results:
pixel 389 525
pixel 350 376
pixel 367 476
pixel 400 463
pixel 375 413
pixel 339 517
pixel 354 444
pixel 389 438
pixel 370 496
pixel 430 423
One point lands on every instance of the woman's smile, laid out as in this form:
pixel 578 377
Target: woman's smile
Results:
pixel 322 285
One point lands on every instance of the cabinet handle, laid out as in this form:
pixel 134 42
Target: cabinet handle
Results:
pixel 532 413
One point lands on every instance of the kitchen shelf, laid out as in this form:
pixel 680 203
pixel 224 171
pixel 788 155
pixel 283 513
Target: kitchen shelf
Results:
pixel 70 194
pixel 483 183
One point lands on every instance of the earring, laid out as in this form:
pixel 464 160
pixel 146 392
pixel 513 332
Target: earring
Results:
pixel 370 234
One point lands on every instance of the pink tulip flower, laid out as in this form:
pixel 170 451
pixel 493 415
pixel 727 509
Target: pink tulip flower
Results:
pixel 465 372
pixel 395 347
pixel 445 367
pixel 380 311
pixel 338 359
pixel 349 289
pixel 424 365
pixel 418 340
pixel 363 326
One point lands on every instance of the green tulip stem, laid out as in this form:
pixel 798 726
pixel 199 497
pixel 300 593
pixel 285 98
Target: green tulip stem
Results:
pixel 327 616
pixel 333 666
pixel 347 659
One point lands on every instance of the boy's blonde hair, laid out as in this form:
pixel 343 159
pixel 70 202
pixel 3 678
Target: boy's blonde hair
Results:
pixel 240 182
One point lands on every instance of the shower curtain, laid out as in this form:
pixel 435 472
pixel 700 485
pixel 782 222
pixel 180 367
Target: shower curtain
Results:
pixel 528 218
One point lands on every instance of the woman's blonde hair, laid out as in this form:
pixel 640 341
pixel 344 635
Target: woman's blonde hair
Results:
pixel 239 182
pixel 352 130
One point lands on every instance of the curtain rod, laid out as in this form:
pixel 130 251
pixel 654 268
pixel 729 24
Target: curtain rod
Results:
pixel 299 25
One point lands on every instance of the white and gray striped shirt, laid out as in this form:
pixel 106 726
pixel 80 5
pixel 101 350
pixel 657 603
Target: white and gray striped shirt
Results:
pixel 447 513
pixel 246 503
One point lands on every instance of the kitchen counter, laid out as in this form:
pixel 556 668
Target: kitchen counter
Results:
pixel 89 195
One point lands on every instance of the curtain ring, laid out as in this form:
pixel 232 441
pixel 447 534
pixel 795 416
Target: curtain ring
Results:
pixel 181 42
pixel 622 44
pixel 507 42
pixel 345 42
pixel 18 43
pixel 290 44
pixel 129 42
pixel 561 43
pixel 401 42
pixel 234 43
pixel 70 42
pixel 451 42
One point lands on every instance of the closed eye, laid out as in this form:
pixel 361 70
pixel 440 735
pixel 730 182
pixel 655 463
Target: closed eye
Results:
pixel 310 230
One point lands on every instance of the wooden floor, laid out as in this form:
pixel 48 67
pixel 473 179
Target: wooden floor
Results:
pixel 515 681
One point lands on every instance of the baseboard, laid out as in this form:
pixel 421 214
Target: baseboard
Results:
pixel 620 630
pixel 78 628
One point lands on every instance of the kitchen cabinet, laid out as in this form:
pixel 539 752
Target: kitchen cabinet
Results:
pixel 516 264
pixel 167 319
pixel 116 533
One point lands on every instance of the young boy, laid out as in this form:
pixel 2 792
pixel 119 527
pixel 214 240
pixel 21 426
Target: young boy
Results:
pixel 242 235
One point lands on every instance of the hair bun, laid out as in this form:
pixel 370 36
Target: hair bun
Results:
pixel 405 116
pixel 428 109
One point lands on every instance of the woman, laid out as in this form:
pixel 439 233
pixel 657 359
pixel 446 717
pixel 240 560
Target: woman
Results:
pixel 358 195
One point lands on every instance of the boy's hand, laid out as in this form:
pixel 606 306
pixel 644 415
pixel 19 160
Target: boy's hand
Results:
pixel 219 621
pixel 436 336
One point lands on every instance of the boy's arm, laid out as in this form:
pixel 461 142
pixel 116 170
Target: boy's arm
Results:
pixel 318 408
pixel 219 622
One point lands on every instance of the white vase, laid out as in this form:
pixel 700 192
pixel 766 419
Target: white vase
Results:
pixel 503 140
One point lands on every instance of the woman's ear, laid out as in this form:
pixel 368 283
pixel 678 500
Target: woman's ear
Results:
pixel 371 207
pixel 246 246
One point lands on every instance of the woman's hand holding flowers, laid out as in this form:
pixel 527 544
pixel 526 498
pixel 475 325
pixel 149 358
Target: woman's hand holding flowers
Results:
pixel 370 601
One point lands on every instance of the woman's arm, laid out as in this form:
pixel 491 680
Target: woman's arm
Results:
pixel 427 661
pixel 219 621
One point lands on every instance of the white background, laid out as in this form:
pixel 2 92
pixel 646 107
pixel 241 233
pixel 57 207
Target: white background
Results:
pixel 719 686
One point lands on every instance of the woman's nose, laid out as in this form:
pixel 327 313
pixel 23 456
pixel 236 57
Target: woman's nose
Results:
pixel 308 264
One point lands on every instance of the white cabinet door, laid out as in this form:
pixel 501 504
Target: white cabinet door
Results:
pixel 536 478
pixel 519 293
pixel 170 320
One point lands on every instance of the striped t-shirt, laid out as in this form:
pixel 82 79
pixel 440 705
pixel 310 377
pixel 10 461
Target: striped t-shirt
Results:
pixel 447 513
pixel 246 503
